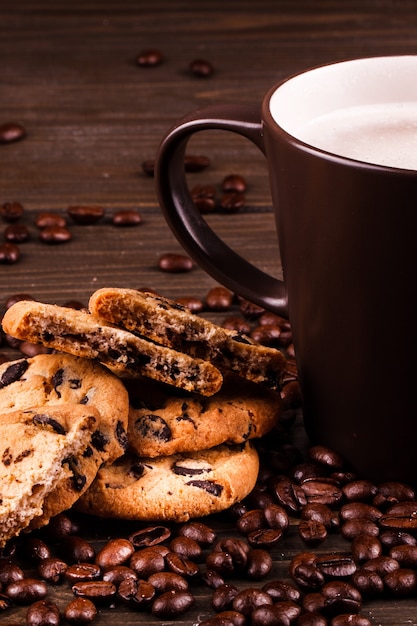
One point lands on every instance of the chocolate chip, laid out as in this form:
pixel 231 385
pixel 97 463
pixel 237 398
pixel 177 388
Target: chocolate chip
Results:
pixel 208 485
pixel 41 419
pixel 13 373
pixel 153 426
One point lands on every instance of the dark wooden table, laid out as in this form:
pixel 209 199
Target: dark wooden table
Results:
pixel 69 76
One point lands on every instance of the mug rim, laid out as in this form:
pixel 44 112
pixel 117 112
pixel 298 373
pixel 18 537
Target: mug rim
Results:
pixel 291 138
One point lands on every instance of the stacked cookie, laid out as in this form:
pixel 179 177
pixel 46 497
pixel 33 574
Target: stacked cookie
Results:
pixel 193 396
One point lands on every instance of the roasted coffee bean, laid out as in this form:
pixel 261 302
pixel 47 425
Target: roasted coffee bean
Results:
pixel 322 514
pixel 232 201
pixel 201 68
pixel 195 305
pixel 10 572
pixel 138 593
pixel 219 299
pixel 204 205
pixel 150 57
pixel 313 602
pixel 281 590
pixel 267 335
pixel 175 263
pixel 220 562
pixel 85 215
pixel 127 217
pixel 369 583
pixel 250 521
pixel 76 549
pixel 264 538
pixel 401 582
pixel 234 322
pixel 313 533
pixel 321 492
pixel 259 498
pixel 365 547
pixel 148 167
pixel 168 581
pixel 336 565
pixel 182 565
pixel 9 253
pixel 187 547
pixel 307 576
pixel 47 220
pixel 249 309
pixel 5 602
pixel 200 532
pixel 37 549
pixel 268 616
pixel 54 235
pixel 203 191
pixel 17 233
pixel 225 618
pixel 196 162
pixel 312 619
pixel 234 182
pixel 148 561
pixel 392 492
pixel 223 596
pixel 212 579
pixel 351 619
pixel 391 538
pixel 149 536
pixel 401 517
pixel 11 211
pixel 340 597
pixel 115 552
pixel 43 613
pixel 98 591
pixel 82 572
pixel 52 570
pixel 326 456
pixel 406 555
pixel 359 526
pixel 11 131
pixel 359 509
pixel 248 599
pixel 259 564
pixel 61 525
pixel 172 604
pixel 80 611
pixel 118 574
pixel 289 495
pixel 26 590
pixel 237 549
pixel 382 565
pixel 359 490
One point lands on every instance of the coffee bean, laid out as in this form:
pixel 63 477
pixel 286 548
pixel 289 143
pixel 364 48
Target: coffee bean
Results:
pixel 127 217
pixel 360 490
pixel 150 57
pixel 11 211
pixel 360 510
pixel 98 591
pixel 259 564
pixel 223 596
pixel 232 201
pixel 61 525
pixel 269 616
pixel 212 578
pixel 234 182
pixel 336 565
pixel 267 335
pixel 47 220
pixel 351 619
pixel 312 619
pixel 391 538
pixel 406 555
pixel 115 552
pixel 148 561
pixel 175 263
pixel 82 572
pixel 148 167
pixel 118 574
pixel 168 581
pixel 219 299
pixel 76 549
pixel 54 235
pixel 234 322
pixel 313 602
pixel 322 514
pixel 248 599
pixel 149 536
pixel 382 565
pixel 250 310
pixel 52 570
pixel 80 611
pixel 10 132
pixel 172 604
pixel 137 593
pixel 359 526
pixel 10 572
pixel 9 253
pixel 289 495
pixel 236 548
pixel 200 532
pixel 322 492
pixel 365 547
pixel 26 590
pixel 220 562
pixel 225 618
pixel 312 532
pixel 187 547
pixel 196 162
pixel 250 521
pixel 43 613
pixel 204 205
pixel 401 582
pixel 17 233
pixel 195 305
pixel 326 456
pixel 85 215
pixel 369 583
pixel 181 565
pixel 201 68
pixel 264 538
pixel 340 597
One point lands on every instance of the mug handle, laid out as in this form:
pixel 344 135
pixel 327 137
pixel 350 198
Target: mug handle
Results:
pixel 192 231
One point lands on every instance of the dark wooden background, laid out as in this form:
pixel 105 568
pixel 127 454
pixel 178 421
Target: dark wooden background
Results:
pixel 68 74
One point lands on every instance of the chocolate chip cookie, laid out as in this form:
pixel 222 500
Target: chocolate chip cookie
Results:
pixel 54 379
pixel 82 334
pixel 163 423
pixel 176 488
pixel 173 325
pixel 47 460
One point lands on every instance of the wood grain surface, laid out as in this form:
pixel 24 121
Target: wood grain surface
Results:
pixel 68 74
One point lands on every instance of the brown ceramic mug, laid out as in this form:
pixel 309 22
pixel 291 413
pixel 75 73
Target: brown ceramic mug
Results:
pixel 341 147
